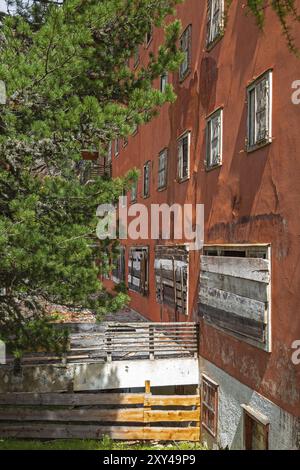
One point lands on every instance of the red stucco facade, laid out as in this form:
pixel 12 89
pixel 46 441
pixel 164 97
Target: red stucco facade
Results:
pixel 252 198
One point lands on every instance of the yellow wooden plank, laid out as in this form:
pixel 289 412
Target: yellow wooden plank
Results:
pixel 156 416
pixel 172 400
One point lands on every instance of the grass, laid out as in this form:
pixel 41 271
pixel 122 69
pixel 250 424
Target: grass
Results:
pixel 104 444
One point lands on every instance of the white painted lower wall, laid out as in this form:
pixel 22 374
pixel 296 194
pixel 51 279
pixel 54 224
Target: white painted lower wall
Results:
pixel 129 374
pixel 284 430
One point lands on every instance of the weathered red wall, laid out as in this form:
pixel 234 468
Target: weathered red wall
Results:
pixel 252 198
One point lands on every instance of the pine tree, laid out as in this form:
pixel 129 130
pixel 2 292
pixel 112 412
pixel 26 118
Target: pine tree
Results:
pixel 69 87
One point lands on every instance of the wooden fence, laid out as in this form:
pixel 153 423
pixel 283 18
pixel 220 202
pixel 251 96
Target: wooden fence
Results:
pixel 127 341
pixel 128 416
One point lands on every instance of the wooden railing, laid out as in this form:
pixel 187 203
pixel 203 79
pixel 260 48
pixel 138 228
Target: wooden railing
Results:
pixel 127 416
pixel 126 341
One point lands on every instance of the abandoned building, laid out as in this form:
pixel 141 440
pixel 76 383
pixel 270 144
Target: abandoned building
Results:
pixel 229 142
pixel 222 321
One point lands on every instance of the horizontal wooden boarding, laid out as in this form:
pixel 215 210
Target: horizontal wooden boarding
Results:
pixel 244 287
pixel 256 269
pixel 84 431
pixel 229 302
pixel 234 323
pixel 71 399
pixel 133 415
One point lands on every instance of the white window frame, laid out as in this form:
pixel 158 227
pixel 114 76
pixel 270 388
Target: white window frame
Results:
pixel 218 114
pixel 255 141
pixel 117 147
pixel 186 48
pixel 109 153
pixel 162 170
pixel 214 33
pixel 134 192
pixel 164 80
pixel 181 176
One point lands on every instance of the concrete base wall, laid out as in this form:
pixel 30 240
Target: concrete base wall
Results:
pixel 100 376
pixel 284 429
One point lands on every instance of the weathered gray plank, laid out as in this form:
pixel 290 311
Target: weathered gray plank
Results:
pixel 54 431
pixel 242 306
pixel 228 321
pixel 70 399
pixel 133 415
pixel 256 269
pixel 243 287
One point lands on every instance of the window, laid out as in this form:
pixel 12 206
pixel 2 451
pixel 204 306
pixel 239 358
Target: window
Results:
pixel 117 147
pixel 162 169
pixel 209 400
pixel 133 194
pixel 138 270
pixel 186 48
pixel 163 82
pixel 214 139
pixel 136 57
pixel 184 156
pixel 172 264
pixel 256 429
pixel 215 21
pixel 260 112
pixel 146 179
pixel 118 271
pixel 109 153
pixel 235 291
pixel 149 36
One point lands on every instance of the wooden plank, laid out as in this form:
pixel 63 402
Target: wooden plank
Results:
pixel 244 287
pixel 242 306
pixel 160 416
pixel 167 264
pixel 69 399
pixel 256 269
pixel 172 400
pixel 134 415
pixel 234 323
pixel 55 431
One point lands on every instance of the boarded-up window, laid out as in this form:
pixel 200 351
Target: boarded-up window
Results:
pixel 118 271
pixel 215 21
pixel 209 404
pixel 260 111
pixel 184 156
pixel 235 291
pixel 171 275
pixel 138 270
pixel 186 49
pixel 214 139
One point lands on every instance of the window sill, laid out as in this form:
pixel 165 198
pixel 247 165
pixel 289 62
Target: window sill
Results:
pixel 183 180
pixel 255 147
pixel 211 45
pixel 163 188
pixel 147 44
pixel 211 168
pixel 214 435
pixel 187 73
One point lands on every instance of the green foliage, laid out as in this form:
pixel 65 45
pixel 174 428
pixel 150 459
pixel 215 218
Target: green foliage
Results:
pixel 69 88
pixel 286 11
pixel 105 444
